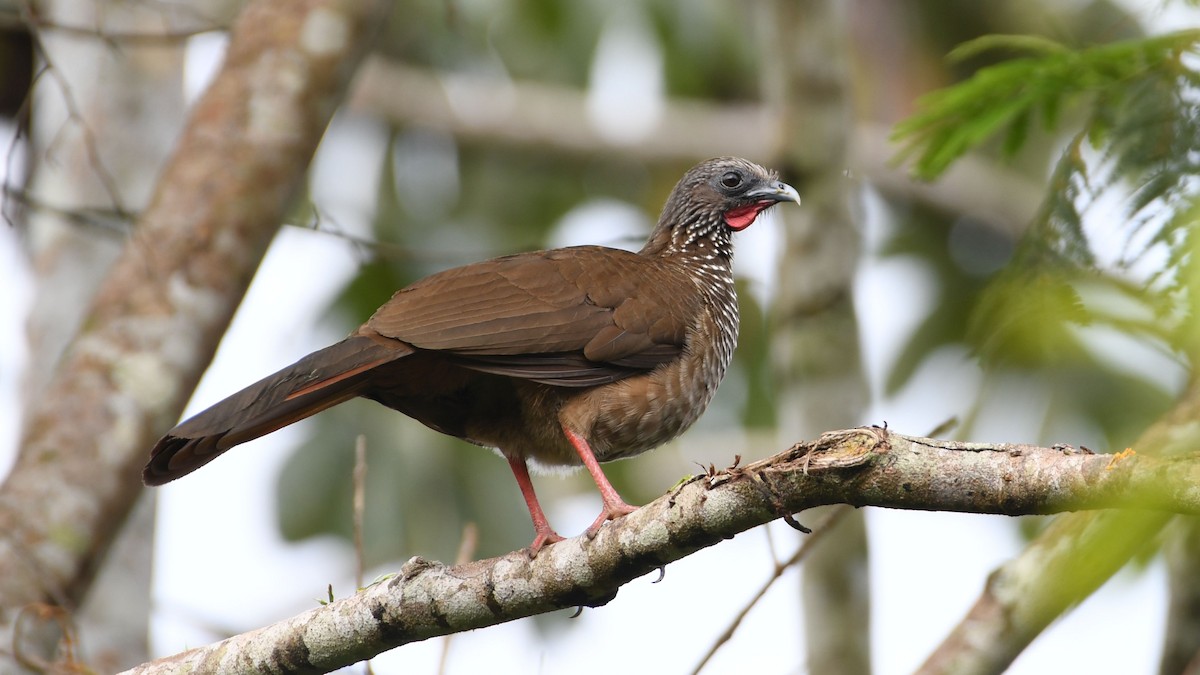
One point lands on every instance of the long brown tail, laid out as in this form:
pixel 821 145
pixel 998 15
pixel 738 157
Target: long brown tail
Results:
pixel 318 381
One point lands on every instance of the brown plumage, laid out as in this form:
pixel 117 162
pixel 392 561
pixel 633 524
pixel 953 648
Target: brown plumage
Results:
pixel 560 358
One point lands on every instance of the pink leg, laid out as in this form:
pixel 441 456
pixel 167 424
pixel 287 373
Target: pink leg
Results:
pixel 543 534
pixel 614 506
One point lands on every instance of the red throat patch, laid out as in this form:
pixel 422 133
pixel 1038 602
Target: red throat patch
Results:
pixel 740 218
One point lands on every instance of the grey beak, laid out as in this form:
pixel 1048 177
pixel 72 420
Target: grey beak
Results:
pixel 777 191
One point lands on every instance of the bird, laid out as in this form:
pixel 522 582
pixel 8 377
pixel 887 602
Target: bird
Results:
pixel 557 358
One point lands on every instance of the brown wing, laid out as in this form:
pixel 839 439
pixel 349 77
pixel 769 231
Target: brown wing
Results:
pixel 571 317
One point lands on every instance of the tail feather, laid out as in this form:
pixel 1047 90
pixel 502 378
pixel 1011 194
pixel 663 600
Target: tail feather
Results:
pixel 318 381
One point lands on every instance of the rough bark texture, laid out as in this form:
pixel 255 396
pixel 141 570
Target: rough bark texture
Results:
pixel 159 313
pixel 1068 560
pixel 868 466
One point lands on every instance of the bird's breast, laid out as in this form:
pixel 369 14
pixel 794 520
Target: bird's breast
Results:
pixel 639 413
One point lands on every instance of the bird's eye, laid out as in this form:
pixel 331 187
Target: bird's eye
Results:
pixel 731 179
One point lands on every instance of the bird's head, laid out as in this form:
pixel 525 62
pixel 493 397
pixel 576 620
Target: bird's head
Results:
pixel 713 199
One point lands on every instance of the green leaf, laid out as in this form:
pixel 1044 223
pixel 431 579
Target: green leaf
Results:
pixel 1002 98
pixel 1021 43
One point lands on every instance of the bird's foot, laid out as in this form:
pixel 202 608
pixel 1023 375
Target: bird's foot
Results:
pixel 612 511
pixel 543 537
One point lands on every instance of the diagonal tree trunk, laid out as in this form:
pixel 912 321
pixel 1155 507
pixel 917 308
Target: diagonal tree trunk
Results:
pixel 107 110
pixel 159 312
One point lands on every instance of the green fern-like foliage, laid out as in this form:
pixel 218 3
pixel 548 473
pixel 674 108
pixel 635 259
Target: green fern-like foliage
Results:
pixel 1140 105
pixel 1005 98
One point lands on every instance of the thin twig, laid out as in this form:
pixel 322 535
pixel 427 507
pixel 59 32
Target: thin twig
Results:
pixel 466 552
pixel 74 114
pixel 817 535
pixel 360 507
pixel 360 502
pixel 43 612
pixel 20 130
pixel 104 220
pixel 115 223
pixel 771 546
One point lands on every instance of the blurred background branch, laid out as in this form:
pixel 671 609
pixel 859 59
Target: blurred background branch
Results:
pixel 527 113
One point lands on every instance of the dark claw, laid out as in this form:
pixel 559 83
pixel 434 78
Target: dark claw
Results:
pixel 662 573
pixel 578 611
pixel 760 481
pixel 791 520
